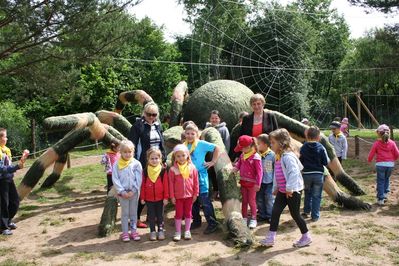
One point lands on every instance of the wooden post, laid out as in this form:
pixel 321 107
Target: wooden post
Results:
pixel 97 144
pixel 354 114
pixel 391 132
pixel 68 161
pixel 367 110
pixel 357 147
pixel 359 111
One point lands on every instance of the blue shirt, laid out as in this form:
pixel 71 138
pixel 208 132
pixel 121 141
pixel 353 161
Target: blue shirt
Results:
pixel 268 167
pixel 198 159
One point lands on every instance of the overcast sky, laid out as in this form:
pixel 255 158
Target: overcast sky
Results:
pixel 169 14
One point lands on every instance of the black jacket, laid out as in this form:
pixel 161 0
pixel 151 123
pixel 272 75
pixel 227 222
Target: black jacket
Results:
pixel 140 136
pixel 269 124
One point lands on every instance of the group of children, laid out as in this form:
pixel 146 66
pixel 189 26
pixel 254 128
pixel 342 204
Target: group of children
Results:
pixel 272 176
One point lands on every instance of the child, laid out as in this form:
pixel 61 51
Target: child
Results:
pixel 108 160
pixel 127 177
pixel 215 121
pixel 155 191
pixel 250 166
pixel 8 192
pixel 287 186
pixel 264 197
pixel 345 127
pixel 387 153
pixel 184 189
pixel 338 140
pixel 313 157
pixel 198 150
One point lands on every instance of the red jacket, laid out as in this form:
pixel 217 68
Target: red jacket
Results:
pixel 181 188
pixel 155 191
pixel 386 152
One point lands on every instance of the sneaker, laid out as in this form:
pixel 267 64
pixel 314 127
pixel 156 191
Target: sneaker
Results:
pixel 210 229
pixel 314 220
pixel 140 224
pixel 269 240
pixel 305 215
pixel 245 221
pixel 161 235
pixel 187 235
pixel 12 226
pixel 125 237
pixel 135 236
pixel 304 241
pixel 153 236
pixel 380 202
pixel 177 236
pixel 252 224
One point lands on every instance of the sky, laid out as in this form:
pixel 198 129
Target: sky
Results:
pixel 169 14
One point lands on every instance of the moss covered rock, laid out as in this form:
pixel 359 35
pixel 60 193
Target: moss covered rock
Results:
pixel 227 96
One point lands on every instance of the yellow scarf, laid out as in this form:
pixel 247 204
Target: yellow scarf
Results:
pixel 122 163
pixel 193 145
pixel 184 170
pixel 338 135
pixel 263 154
pixel 278 156
pixel 153 172
pixel 6 150
pixel 249 154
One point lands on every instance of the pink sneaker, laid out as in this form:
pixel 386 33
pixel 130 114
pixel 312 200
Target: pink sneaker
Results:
pixel 269 240
pixel 304 241
pixel 125 237
pixel 135 236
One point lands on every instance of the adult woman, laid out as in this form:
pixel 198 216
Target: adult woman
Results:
pixel 259 122
pixel 146 132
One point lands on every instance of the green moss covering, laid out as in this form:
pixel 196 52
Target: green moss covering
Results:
pixel 228 97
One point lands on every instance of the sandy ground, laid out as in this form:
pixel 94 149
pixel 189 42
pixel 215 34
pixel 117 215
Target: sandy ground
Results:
pixel 65 234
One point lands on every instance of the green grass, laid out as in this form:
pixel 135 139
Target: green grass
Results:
pixel 363 133
pixel 12 262
pixel 5 251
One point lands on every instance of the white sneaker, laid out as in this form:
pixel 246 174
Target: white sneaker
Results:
pixel 380 202
pixel 187 235
pixel 252 224
pixel 245 221
pixel 177 236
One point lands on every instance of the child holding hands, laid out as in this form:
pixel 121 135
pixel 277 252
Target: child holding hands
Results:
pixel 127 178
pixel 288 186
pixel 184 189
pixel 8 192
pixel 249 165
pixel 155 191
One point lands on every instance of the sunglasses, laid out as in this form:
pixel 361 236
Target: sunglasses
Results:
pixel 150 114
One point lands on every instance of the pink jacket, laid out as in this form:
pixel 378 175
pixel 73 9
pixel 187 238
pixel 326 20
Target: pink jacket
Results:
pixel 386 152
pixel 251 171
pixel 180 188
pixel 109 159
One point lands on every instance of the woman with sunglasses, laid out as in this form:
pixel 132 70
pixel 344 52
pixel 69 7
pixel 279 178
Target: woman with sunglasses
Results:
pixel 145 133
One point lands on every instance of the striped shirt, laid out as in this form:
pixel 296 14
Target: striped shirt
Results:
pixel 280 178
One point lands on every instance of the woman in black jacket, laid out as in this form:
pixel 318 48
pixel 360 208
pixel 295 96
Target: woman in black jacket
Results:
pixel 146 132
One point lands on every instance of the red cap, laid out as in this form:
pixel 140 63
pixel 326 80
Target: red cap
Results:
pixel 243 141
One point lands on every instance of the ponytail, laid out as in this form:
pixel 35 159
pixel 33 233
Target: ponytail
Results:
pixel 255 144
pixel 385 136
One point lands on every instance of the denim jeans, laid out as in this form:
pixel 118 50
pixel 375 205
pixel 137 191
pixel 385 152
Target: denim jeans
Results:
pixel 313 190
pixel 265 200
pixel 209 213
pixel 383 175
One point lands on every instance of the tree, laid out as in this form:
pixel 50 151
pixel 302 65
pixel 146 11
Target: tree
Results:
pixel 381 5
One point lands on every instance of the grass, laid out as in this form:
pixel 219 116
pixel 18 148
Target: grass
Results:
pixel 363 133
pixel 5 251
pixel 12 262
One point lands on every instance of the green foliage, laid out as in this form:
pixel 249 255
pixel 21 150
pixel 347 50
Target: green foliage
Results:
pixel 14 120
pixel 381 5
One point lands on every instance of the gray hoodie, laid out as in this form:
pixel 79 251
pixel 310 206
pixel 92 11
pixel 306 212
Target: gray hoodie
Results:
pixel 224 132
pixel 129 178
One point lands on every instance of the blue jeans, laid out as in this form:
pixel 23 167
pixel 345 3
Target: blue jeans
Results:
pixel 383 175
pixel 209 212
pixel 265 200
pixel 313 191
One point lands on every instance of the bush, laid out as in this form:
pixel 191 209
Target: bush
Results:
pixel 17 125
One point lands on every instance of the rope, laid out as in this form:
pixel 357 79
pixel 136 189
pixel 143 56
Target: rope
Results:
pixel 368 142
